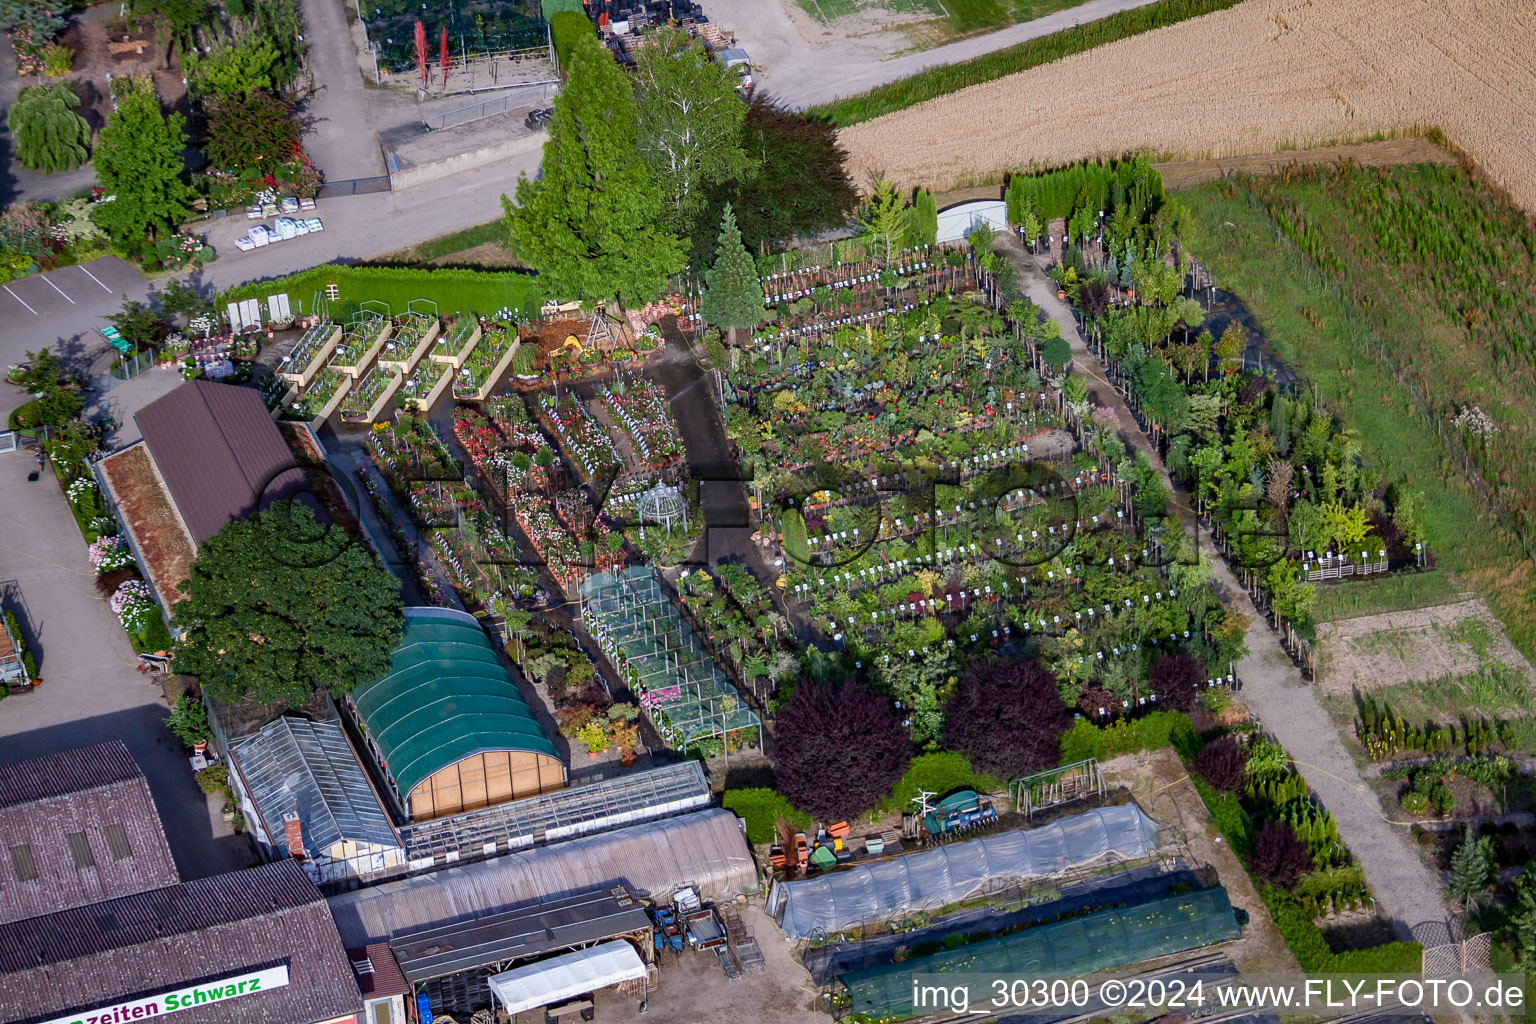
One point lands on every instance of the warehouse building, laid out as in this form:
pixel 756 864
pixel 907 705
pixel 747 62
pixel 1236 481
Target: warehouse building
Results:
pixel 249 947
pixel 447 725
pixel 78 827
pixel 706 850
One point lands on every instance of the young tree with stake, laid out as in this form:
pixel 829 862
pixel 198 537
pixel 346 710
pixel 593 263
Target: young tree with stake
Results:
pixel 733 295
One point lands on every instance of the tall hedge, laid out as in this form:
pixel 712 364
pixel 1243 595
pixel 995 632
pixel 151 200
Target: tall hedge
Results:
pixel 1097 185
pixel 564 28
pixel 454 290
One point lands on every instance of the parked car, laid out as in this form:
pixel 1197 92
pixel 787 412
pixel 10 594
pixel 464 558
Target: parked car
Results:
pixel 537 119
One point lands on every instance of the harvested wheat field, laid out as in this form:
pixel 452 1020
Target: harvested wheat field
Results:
pixel 1261 76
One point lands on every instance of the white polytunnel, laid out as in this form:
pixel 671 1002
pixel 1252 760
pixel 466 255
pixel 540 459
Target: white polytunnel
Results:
pixel 817 907
pixel 566 976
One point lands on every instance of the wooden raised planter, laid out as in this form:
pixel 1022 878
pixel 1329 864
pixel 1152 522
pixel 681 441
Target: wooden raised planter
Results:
pixel 408 360
pixel 358 368
pixel 325 412
pixel 497 372
pixel 457 360
pixel 282 407
pixel 302 375
pixel 443 384
pixel 371 414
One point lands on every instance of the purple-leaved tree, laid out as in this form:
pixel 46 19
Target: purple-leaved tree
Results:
pixel 1177 680
pixel 838 751
pixel 1224 764
pixel 1007 717
pixel 1279 857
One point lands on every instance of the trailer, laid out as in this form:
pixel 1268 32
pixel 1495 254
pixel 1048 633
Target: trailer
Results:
pixel 704 929
pixel 962 811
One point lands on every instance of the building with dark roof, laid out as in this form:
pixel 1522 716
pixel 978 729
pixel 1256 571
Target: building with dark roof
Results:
pixel 210 454
pixel 249 947
pixel 309 797
pixel 78 827
pixel 384 989
pixel 219 452
pixel 448 726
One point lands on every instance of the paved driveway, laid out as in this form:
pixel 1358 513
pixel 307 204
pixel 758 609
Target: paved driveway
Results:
pixel 92 690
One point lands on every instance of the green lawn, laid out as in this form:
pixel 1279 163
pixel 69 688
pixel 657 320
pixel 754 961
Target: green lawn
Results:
pixel 948 78
pixel 453 290
pixel 1353 599
pixel 1342 333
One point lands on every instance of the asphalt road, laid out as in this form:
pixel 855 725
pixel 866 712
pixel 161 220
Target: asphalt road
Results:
pixel 92 690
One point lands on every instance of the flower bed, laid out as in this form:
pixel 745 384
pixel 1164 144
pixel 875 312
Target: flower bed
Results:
pixel 109 553
pixel 455 344
pixel 510 414
pixel 486 363
pixel 640 410
pixel 371 395
pixel 311 353
pixel 582 439
pixel 412 336
pixel 134 606
pixel 360 342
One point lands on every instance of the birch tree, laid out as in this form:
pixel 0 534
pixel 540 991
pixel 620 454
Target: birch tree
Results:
pixel 690 124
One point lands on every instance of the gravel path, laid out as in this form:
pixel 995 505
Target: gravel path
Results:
pixel 777 35
pixel 1407 893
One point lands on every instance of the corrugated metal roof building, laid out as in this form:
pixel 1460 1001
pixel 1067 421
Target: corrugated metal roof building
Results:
pixel 78 827
pixel 249 947
pixel 302 774
pixel 706 850
pixel 219 453
pixel 447 723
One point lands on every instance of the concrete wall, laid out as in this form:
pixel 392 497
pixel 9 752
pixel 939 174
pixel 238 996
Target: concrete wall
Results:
pixel 432 170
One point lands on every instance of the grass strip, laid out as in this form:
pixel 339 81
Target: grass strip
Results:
pixel 454 290
pixel 459 241
pixel 948 78
pixel 1353 599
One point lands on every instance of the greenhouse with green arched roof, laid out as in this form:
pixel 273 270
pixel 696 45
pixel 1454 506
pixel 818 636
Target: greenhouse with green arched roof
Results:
pixel 448 725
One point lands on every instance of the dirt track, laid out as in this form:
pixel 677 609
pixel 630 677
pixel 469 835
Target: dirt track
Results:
pixel 1259 77
pixel 1179 174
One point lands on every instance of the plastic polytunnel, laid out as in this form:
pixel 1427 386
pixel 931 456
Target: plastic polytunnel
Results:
pixel 947 874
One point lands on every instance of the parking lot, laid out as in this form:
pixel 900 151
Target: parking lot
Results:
pixel 44 295
pixel 63 310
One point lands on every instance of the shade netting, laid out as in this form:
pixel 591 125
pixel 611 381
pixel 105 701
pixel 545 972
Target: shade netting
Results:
pixel 815 907
pixel 1099 941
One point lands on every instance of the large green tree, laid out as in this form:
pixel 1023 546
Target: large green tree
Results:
pixel 139 163
pixel 589 224
pixel 279 605
pixel 733 295
pixel 690 124
pixel 49 135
